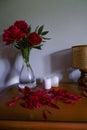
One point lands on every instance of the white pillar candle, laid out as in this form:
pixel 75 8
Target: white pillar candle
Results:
pixel 47 83
pixel 55 81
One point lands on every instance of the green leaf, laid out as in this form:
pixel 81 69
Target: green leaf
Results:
pixel 43 41
pixel 38 47
pixel 44 33
pixel 40 29
pixel 36 30
pixel 29 29
pixel 17 46
pixel 46 38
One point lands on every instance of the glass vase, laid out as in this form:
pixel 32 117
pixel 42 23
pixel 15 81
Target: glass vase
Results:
pixel 26 77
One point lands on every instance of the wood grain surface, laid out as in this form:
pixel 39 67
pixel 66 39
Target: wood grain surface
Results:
pixel 68 117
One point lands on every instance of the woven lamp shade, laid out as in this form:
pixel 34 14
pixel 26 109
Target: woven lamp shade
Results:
pixel 79 57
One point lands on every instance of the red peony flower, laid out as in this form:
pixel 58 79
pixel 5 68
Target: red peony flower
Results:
pixel 22 25
pixel 34 39
pixel 12 34
pixel 19 35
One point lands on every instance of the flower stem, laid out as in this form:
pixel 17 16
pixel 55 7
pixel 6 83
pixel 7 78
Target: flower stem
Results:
pixel 26 54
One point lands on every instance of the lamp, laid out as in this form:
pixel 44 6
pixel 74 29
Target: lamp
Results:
pixel 79 61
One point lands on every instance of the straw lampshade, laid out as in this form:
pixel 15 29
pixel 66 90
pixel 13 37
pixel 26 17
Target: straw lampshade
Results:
pixel 79 61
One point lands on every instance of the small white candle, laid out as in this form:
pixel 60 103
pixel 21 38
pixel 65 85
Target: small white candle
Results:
pixel 55 81
pixel 47 83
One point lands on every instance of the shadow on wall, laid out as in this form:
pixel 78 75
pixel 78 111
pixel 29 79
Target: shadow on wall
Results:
pixel 60 63
pixel 8 72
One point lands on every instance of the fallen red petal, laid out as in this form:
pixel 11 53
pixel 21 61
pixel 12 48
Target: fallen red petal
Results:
pixel 44 114
pixel 12 103
pixel 35 99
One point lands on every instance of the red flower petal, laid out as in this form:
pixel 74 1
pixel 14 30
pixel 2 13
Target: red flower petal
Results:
pixel 69 101
pixel 53 105
pixel 17 98
pixel 34 99
pixel 12 103
pixel 44 114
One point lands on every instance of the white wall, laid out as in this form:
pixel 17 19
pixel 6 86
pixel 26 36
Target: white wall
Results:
pixel 66 21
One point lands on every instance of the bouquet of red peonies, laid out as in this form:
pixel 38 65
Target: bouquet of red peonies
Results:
pixel 19 35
